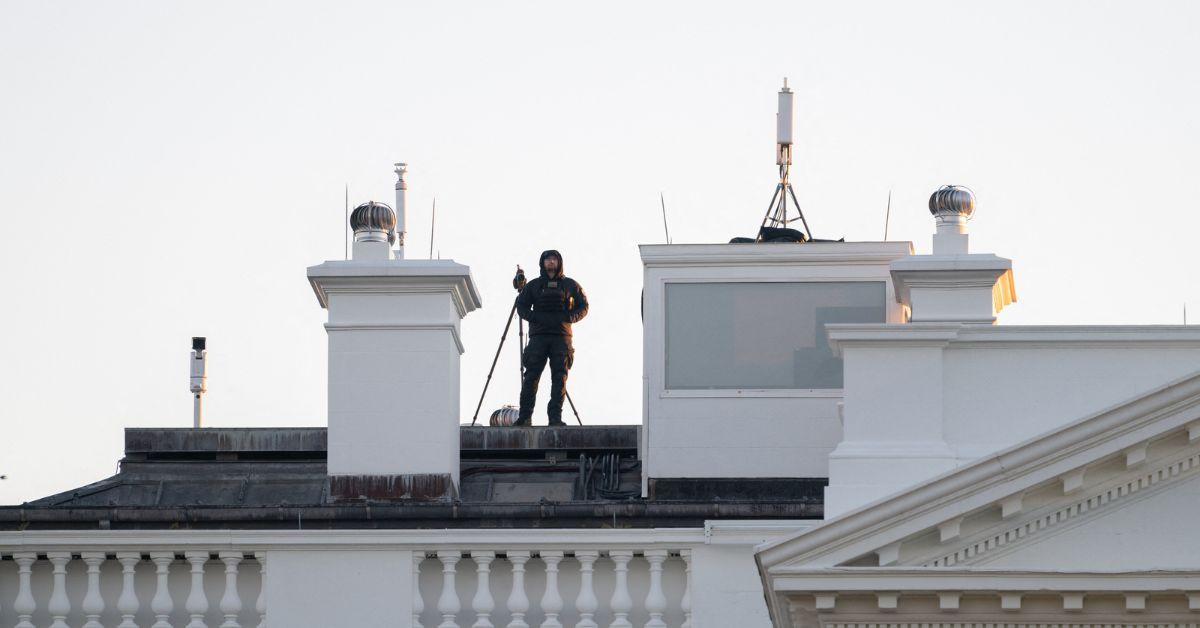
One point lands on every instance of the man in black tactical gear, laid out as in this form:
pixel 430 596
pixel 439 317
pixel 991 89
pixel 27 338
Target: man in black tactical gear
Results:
pixel 551 303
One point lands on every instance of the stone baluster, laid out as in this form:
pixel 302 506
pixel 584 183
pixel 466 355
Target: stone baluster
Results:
pixel 586 603
pixel 483 604
pixel 162 605
pixel 552 602
pixel 128 602
pixel 621 602
pixel 24 605
pixel 656 601
pixel 59 604
pixel 231 602
pixel 197 603
pixel 93 602
pixel 685 604
pixel 418 603
pixel 260 606
pixel 448 604
pixel 518 600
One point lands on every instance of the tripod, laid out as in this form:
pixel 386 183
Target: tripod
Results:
pixel 518 283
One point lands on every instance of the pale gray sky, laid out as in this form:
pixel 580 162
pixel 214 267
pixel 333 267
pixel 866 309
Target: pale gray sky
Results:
pixel 169 169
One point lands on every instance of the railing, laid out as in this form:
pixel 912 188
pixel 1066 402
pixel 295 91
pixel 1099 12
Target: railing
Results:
pixel 127 589
pixel 552 588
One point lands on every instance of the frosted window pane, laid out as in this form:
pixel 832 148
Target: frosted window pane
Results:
pixel 762 335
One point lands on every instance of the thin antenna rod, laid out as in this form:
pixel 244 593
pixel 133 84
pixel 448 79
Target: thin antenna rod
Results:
pixel 432 226
pixel 887 216
pixel 346 224
pixel 666 231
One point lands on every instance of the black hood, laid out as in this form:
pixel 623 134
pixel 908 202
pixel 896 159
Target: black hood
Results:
pixel 542 261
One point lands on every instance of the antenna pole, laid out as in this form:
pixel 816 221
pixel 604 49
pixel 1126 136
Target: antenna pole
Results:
pixel 666 231
pixel 777 211
pixel 432 226
pixel 346 224
pixel 887 216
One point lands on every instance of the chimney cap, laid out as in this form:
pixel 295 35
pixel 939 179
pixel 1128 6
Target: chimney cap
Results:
pixel 373 216
pixel 952 200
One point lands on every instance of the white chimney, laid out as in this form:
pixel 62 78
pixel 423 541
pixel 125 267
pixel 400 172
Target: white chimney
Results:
pixel 394 350
pixel 953 285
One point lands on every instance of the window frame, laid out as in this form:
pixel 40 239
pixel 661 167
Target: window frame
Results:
pixel 665 392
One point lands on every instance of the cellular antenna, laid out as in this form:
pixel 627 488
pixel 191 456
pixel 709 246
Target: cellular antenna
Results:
pixel 666 231
pixel 777 211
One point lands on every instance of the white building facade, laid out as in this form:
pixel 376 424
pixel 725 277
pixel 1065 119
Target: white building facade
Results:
pixel 834 434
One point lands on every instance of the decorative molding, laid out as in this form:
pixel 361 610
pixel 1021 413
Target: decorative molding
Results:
pixel 767 254
pixel 950 530
pixel 453 329
pixel 1096 500
pixel 1012 506
pixel 1156 413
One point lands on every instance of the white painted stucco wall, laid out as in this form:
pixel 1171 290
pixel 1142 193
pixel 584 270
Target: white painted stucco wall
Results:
pixel 923 398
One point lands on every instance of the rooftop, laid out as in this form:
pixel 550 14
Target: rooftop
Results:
pixel 510 477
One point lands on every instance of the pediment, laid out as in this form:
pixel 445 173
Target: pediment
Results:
pixel 1027 495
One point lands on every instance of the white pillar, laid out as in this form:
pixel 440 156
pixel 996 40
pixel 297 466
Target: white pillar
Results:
pixel 260 606
pixel 394 352
pixel 448 604
pixel 418 604
pixel 621 602
pixel 482 603
pixel 656 601
pixel 586 603
pixel 24 605
pixel 197 602
pixel 162 605
pixel 518 600
pixel 552 602
pixel 685 604
pixel 231 602
pixel 128 602
pixel 93 602
pixel 59 604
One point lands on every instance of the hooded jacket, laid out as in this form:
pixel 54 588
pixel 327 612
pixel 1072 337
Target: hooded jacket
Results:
pixel 551 305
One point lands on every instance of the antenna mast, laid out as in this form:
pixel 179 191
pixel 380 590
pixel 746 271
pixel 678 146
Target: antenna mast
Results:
pixel 777 211
pixel 432 226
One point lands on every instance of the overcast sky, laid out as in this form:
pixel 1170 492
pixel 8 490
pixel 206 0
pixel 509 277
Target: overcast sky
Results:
pixel 169 169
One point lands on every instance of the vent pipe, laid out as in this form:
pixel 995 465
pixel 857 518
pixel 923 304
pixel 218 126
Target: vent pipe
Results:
pixel 199 379
pixel 401 188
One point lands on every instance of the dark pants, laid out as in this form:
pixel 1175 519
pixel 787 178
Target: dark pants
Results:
pixel 541 349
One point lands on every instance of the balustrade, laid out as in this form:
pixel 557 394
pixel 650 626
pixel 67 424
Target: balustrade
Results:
pixel 552 588
pixel 129 589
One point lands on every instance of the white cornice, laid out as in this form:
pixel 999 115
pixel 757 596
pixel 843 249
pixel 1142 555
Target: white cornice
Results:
pixel 249 540
pixel 960 335
pixel 809 253
pixel 1171 407
pixel 854 579
pixel 396 277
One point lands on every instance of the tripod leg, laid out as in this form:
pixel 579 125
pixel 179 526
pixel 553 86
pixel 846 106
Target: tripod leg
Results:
pixel 807 231
pixel 770 210
pixel 494 360
pixel 572 402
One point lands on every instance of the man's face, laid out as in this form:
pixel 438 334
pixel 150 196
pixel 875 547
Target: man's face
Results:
pixel 551 265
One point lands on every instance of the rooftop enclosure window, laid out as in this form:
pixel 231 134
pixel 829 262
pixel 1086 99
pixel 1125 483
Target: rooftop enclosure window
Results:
pixel 762 335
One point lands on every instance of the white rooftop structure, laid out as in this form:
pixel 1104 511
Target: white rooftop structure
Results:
pixel 834 435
